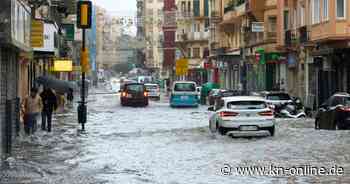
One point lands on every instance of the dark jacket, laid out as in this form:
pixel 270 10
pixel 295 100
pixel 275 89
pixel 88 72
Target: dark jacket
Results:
pixel 49 100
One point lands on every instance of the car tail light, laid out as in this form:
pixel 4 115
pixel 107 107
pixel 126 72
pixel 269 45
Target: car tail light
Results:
pixel 145 93
pixel 344 109
pixel 227 114
pixel 124 94
pixel 266 113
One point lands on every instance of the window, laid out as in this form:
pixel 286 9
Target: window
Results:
pixel 278 96
pixel 325 10
pixel 196 52
pixel 246 105
pixel 272 24
pixel 185 87
pixel 340 7
pixel 183 6
pixel 315 11
pixel 189 53
pixel 286 20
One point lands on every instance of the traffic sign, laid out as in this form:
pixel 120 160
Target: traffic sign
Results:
pixel 181 67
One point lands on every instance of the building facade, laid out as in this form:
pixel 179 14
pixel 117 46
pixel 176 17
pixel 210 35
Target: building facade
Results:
pixel 153 21
pixel 192 36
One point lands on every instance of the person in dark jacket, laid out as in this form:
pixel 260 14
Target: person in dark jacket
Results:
pixel 70 97
pixel 49 105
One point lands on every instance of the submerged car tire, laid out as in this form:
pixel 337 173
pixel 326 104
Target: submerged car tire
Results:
pixel 272 131
pixel 221 130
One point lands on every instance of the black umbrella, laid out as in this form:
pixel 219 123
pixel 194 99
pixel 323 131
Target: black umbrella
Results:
pixel 60 86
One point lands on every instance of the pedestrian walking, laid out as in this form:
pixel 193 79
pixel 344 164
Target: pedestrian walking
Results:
pixel 49 100
pixel 32 107
pixel 70 97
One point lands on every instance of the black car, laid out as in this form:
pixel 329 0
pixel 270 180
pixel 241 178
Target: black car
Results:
pixel 334 113
pixel 134 94
pixel 217 94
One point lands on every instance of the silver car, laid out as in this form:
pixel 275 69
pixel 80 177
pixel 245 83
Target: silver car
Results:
pixel 242 116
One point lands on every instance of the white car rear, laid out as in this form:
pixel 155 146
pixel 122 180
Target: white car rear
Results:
pixel 153 90
pixel 243 116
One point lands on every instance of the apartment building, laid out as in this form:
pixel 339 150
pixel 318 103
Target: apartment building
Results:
pixel 316 35
pixel 153 18
pixel 192 36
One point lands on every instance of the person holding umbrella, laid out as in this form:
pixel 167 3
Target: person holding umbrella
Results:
pixel 49 100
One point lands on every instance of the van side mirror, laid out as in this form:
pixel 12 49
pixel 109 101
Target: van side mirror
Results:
pixel 211 108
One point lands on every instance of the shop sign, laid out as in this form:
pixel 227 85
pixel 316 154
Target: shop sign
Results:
pixel 37 33
pixel 63 66
pixel 50 36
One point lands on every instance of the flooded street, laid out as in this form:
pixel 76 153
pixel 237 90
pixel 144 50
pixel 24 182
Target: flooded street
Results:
pixel 159 144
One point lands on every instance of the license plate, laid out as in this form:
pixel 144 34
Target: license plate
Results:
pixel 184 97
pixel 248 128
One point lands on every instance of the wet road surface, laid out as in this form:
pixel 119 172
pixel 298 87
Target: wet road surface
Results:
pixel 159 144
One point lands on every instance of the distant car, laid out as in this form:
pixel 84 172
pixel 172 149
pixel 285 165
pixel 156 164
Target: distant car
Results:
pixel 134 94
pixel 216 95
pixel 153 90
pixel 334 113
pixel 184 94
pixel 213 95
pixel 276 98
pixel 242 116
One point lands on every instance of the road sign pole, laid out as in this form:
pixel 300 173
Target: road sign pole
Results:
pixel 84 13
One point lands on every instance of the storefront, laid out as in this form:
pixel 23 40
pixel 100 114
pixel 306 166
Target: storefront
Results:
pixel 14 41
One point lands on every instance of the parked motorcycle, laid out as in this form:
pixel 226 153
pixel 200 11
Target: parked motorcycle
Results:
pixel 291 109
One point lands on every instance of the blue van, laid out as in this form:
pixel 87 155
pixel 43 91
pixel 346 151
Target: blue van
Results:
pixel 184 94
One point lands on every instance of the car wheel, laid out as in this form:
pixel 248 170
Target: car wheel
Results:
pixel 272 131
pixel 220 129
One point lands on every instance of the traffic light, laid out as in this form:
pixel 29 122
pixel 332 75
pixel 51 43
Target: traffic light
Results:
pixel 84 14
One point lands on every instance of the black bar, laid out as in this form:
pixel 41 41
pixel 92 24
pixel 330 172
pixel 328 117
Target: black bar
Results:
pixel 82 109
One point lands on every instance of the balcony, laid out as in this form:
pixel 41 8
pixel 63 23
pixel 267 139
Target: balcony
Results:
pixel 303 34
pixel 290 38
pixel 198 36
pixel 193 37
pixel 255 38
pixel 232 12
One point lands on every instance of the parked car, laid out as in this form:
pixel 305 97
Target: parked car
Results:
pixel 242 116
pixel 334 113
pixel 184 94
pixel 134 94
pixel 276 98
pixel 153 90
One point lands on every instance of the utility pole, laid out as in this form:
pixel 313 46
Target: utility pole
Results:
pixel 83 22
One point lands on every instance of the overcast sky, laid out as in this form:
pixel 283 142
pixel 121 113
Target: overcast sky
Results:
pixel 120 8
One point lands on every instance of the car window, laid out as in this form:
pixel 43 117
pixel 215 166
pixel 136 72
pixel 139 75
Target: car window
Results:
pixel 228 93
pixel 148 87
pixel 185 87
pixel 336 101
pixel 135 87
pixel 251 104
pixel 279 96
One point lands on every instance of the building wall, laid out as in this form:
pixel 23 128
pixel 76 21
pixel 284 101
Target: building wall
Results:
pixel 153 33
